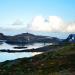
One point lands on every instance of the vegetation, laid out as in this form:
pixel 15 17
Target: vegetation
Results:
pixel 57 62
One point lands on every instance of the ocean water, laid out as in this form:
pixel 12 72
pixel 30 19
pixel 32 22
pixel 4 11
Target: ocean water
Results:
pixel 11 56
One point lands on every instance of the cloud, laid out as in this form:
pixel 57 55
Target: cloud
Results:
pixel 40 24
pixel 18 22
pixel 17 25
pixel 51 24
pixel 70 27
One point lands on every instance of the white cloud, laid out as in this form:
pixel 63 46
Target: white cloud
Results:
pixel 18 22
pixel 41 24
pixel 56 23
pixel 70 27
pixel 17 25
pixel 52 24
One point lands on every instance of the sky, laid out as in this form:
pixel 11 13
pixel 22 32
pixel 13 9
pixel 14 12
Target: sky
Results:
pixel 43 17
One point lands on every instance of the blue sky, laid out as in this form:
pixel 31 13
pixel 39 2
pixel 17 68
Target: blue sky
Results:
pixel 10 10
pixel 26 10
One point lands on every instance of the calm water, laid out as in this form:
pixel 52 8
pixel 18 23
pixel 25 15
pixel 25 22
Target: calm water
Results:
pixel 11 56
pixel 29 46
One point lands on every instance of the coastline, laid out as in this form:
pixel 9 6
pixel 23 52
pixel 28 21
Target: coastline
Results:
pixel 41 49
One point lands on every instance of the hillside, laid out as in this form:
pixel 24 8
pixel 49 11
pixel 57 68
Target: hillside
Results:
pixel 70 39
pixel 25 38
pixel 59 62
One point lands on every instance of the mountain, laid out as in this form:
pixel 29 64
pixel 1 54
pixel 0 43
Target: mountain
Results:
pixel 27 38
pixel 69 39
pixel 2 36
pixel 59 62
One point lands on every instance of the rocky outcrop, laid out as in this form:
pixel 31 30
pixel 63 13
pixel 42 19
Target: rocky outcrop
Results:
pixel 70 39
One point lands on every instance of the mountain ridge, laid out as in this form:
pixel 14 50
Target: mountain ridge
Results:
pixel 27 38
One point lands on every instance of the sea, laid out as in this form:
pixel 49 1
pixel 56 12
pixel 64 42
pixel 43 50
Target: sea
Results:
pixel 4 56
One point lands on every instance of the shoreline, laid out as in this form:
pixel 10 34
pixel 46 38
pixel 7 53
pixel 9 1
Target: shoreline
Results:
pixel 41 49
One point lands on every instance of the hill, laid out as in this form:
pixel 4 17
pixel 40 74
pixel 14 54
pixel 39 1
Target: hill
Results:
pixel 59 62
pixel 70 39
pixel 27 38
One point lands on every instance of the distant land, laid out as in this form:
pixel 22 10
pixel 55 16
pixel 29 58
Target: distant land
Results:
pixel 25 38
